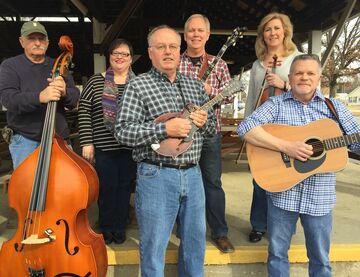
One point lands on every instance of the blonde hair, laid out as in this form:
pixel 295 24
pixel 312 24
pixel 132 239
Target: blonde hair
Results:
pixel 289 45
pixel 206 20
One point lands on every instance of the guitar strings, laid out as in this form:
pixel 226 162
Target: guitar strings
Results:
pixel 318 146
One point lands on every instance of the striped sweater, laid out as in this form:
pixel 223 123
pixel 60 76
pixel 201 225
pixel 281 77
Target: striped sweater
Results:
pixel 91 123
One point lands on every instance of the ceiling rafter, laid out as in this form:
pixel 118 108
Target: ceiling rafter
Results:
pixel 120 23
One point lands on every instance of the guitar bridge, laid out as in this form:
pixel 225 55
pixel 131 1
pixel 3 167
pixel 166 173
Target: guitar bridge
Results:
pixel 286 160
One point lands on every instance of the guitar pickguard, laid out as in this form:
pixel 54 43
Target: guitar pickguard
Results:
pixel 309 165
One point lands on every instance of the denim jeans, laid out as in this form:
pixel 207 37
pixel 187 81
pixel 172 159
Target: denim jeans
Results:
pixel 281 227
pixel 258 212
pixel 20 148
pixel 210 164
pixel 116 170
pixel 162 195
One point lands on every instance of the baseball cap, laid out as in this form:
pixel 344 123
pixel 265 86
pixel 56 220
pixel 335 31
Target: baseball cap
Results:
pixel 32 27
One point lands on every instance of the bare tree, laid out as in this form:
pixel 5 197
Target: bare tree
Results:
pixel 344 61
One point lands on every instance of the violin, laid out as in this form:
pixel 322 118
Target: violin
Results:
pixel 271 90
pixel 51 192
pixel 264 95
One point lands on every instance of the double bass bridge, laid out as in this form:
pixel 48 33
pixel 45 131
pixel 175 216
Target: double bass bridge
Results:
pixel 34 239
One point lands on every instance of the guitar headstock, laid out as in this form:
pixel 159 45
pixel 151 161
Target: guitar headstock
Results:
pixel 235 35
pixel 233 87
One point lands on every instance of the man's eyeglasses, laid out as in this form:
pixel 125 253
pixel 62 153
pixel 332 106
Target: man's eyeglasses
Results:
pixel 120 54
pixel 162 47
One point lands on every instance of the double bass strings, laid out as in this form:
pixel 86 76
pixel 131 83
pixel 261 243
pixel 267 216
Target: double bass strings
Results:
pixel 38 194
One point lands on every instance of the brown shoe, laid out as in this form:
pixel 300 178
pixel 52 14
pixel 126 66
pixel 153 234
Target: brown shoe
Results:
pixel 224 244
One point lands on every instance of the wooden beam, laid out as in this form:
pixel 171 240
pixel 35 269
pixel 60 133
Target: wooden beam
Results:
pixel 120 23
pixel 224 32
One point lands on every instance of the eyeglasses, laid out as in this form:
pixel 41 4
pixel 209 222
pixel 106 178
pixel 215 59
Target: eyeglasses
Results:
pixel 162 47
pixel 120 54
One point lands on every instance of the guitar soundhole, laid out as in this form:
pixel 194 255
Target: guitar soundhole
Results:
pixel 318 147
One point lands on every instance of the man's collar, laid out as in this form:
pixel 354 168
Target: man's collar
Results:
pixel 316 95
pixel 161 76
pixel 186 55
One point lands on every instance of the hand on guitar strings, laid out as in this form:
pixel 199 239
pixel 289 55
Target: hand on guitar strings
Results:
pixel 54 91
pixel 178 127
pixel 199 117
pixel 298 150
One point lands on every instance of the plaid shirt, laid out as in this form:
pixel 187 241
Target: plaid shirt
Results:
pixel 148 96
pixel 218 79
pixel 316 194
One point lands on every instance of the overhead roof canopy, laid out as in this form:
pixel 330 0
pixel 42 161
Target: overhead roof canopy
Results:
pixel 132 19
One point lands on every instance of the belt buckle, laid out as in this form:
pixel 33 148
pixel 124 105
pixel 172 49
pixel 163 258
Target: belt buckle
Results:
pixel 182 166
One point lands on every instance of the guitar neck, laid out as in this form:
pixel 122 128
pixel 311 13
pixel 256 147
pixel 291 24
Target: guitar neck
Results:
pixel 212 102
pixel 214 62
pixel 341 141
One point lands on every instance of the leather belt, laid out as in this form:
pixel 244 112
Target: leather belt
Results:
pixel 177 166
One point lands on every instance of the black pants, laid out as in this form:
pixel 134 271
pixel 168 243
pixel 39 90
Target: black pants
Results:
pixel 116 170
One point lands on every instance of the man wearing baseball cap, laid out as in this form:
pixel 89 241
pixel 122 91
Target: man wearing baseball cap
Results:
pixel 25 89
pixel 31 27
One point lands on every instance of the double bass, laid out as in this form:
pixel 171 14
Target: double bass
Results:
pixel 51 192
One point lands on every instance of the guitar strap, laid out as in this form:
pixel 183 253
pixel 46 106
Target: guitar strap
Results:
pixel 334 112
pixel 204 65
pixel 352 154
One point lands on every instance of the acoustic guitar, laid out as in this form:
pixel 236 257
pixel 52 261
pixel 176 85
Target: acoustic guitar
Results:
pixel 173 147
pixel 275 171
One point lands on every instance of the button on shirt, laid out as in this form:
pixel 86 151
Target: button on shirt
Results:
pixel 316 194
pixel 150 95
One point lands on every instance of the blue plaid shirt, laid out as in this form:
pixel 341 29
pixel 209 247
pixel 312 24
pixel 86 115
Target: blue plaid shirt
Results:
pixel 150 95
pixel 316 194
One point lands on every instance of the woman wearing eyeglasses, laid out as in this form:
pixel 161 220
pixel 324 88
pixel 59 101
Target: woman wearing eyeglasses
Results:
pixel 113 162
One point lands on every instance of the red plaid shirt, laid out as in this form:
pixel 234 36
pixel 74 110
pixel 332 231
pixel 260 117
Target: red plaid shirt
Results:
pixel 218 79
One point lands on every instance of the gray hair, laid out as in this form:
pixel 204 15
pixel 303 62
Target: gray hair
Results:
pixel 160 27
pixel 207 22
pixel 306 57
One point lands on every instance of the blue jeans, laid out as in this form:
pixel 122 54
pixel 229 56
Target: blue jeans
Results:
pixel 20 148
pixel 258 212
pixel 116 170
pixel 281 227
pixel 210 164
pixel 162 195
